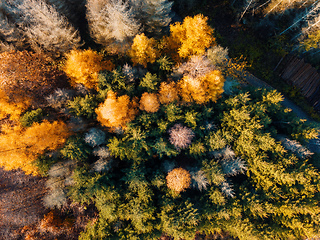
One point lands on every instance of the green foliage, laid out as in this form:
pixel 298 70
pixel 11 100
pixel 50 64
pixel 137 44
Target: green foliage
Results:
pixel 179 220
pixel 84 106
pixel 150 82
pixel 114 80
pixel 30 117
pixel 75 149
pixel 44 163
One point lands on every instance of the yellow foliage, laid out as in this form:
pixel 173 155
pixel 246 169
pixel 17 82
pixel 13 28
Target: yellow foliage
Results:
pixel 143 50
pixel 19 147
pixel 168 93
pixel 12 109
pixel 202 89
pixel 83 66
pixel 192 37
pixel 178 179
pixel 116 111
pixel 149 102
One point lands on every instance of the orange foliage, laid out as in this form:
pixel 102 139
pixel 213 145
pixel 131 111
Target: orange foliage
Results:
pixel 19 148
pixel 116 111
pixel 53 223
pixel 149 102
pixel 143 50
pixel 192 37
pixel 178 179
pixel 168 93
pixel 26 78
pixel 83 66
pixel 202 89
pixel 12 108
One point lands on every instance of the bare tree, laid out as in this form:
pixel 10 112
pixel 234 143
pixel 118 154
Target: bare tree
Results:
pixel 112 23
pixel 47 31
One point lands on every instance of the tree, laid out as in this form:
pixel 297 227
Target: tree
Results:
pixel 192 37
pixel 112 23
pixel 149 102
pixel 83 66
pixel 168 92
pixel 116 111
pixel 178 179
pixel 143 50
pixel 180 136
pixel 45 28
pixel 202 89
pixel 19 147
pixel 155 15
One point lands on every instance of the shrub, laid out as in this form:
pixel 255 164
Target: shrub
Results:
pixel 178 179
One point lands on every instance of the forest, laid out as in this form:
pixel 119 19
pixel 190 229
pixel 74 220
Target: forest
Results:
pixel 134 119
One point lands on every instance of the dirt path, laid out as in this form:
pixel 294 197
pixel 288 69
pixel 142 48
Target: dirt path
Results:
pixel 20 202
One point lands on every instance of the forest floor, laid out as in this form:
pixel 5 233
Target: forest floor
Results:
pixel 20 202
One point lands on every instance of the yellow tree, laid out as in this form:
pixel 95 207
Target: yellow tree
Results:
pixel 202 89
pixel 19 147
pixel 116 111
pixel 143 50
pixel 83 66
pixel 192 37
pixel 149 102
pixel 168 93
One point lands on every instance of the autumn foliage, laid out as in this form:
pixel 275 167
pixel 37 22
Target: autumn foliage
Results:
pixel 192 37
pixel 23 146
pixel 149 102
pixel 178 179
pixel 202 89
pixel 26 78
pixel 143 50
pixel 83 66
pixel 116 111
pixel 168 92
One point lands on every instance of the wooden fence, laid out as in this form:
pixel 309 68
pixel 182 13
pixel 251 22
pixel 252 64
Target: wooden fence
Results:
pixel 303 76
